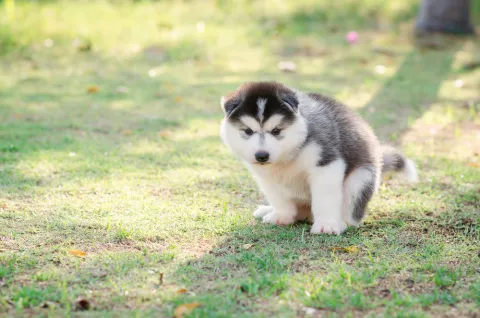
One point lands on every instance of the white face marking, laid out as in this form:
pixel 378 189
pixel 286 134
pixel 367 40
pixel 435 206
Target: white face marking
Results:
pixel 251 122
pixel 261 102
pixel 272 122
pixel 279 150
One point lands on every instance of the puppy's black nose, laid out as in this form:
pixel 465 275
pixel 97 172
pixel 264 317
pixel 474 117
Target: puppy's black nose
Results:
pixel 262 156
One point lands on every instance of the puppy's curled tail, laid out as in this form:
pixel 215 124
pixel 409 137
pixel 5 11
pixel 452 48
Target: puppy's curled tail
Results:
pixel 395 161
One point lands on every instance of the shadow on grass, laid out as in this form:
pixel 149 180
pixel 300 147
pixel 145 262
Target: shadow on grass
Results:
pixel 263 263
pixel 419 77
pixel 258 262
pixel 49 118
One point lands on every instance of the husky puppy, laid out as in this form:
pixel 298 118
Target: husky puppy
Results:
pixel 310 155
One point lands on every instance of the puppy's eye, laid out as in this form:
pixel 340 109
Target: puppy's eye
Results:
pixel 276 131
pixel 248 131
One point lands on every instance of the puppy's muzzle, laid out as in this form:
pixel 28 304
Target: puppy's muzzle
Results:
pixel 262 156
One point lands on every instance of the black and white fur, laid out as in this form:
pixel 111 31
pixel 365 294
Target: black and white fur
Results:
pixel 311 155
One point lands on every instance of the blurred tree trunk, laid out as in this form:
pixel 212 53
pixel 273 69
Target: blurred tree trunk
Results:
pixel 446 16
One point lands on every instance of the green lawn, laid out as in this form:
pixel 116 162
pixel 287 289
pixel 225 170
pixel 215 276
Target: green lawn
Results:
pixel 134 173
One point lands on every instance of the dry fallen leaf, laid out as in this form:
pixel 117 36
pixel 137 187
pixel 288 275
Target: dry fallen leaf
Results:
pixel 4 206
pixel 247 246
pixel 184 309
pixel 126 132
pixel 77 253
pixel 164 133
pixel 385 292
pixel 93 89
pixel 182 291
pixel 349 249
pixel 473 165
pixel 352 249
pixel 82 304
pixel 363 61
pixel 178 99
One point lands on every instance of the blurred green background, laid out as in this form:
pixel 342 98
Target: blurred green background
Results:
pixel 115 26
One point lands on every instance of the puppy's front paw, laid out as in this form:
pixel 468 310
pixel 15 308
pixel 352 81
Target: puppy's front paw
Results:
pixel 262 210
pixel 279 219
pixel 328 227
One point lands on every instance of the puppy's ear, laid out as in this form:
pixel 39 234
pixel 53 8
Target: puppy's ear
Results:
pixel 290 100
pixel 229 104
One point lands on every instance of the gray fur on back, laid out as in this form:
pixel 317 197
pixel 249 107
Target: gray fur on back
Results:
pixel 340 133
pixel 343 134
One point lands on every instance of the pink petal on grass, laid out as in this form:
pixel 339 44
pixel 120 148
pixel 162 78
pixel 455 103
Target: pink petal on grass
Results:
pixel 352 37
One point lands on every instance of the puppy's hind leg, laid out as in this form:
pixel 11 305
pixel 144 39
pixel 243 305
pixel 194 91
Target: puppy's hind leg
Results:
pixel 359 187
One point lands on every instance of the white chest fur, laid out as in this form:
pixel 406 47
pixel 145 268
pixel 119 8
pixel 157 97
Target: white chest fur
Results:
pixel 292 178
pixel 289 179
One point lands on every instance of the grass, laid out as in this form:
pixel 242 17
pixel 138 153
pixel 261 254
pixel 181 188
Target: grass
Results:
pixel 135 174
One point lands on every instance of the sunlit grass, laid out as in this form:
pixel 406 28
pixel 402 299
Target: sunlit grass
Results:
pixel 189 29
pixel 136 175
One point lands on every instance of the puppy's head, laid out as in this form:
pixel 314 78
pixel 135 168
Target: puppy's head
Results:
pixel 262 122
